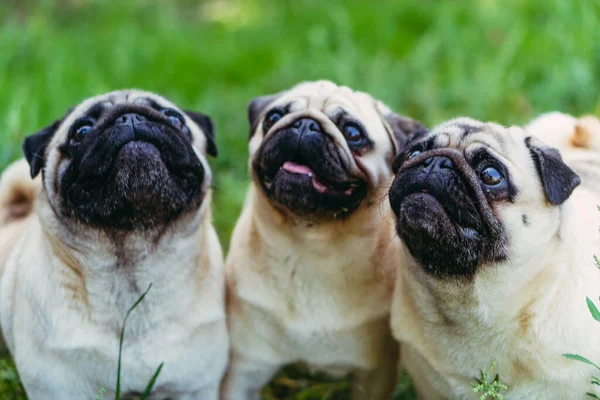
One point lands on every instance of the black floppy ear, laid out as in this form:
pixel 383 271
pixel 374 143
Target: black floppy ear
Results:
pixel 208 127
pixel 34 147
pixel 558 180
pixel 256 106
pixel 404 129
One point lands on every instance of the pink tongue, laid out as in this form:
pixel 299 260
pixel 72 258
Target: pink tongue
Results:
pixel 304 170
pixel 297 168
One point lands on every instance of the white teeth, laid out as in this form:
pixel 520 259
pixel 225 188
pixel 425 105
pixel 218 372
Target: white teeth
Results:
pixel 310 174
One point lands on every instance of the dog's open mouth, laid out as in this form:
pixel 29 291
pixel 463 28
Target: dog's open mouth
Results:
pixel 319 183
pixel 307 176
pixel 300 188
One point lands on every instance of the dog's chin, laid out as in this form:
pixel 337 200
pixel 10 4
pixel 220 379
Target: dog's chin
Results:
pixel 140 192
pixel 443 245
pixel 297 189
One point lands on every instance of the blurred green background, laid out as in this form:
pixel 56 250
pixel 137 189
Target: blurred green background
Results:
pixel 502 60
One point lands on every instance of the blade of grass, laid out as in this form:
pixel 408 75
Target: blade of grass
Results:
pixel 593 309
pixel 577 357
pixel 118 389
pixel 151 383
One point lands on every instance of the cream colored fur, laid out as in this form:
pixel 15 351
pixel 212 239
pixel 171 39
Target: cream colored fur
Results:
pixel 522 313
pixel 316 292
pixel 65 289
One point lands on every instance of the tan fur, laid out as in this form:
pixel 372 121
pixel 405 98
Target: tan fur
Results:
pixel 317 292
pixel 587 133
pixel 524 312
pixel 66 288
pixel 565 131
pixel 17 196
pixel 577 139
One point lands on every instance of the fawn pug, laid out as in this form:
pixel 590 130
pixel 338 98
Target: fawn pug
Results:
pixel 499 236
pixel 311 266
pixel 123 201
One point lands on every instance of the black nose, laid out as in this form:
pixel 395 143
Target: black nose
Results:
pixel 437 163
pixel 130 119
pixel 307 125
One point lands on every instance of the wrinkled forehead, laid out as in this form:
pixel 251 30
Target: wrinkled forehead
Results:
pixel 470 136
pixel 330 99
pixel 119 97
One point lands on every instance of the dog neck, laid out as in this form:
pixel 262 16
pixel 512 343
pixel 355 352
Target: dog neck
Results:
pixel 106 274
pixel 354 240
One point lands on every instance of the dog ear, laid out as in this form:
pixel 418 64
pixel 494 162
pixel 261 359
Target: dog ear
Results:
pixel 34 147
pixel 558 180
pixel 403 129
pixel 208 127
pixel 256 106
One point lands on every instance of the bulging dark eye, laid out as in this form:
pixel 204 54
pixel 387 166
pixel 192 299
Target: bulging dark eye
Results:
pixel 271 119
pixel 175 118
pixel 353 134
pixel 413 154
pixel 81 132
pixel 490 176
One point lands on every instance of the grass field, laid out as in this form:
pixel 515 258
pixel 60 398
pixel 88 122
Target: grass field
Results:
pixel 503 60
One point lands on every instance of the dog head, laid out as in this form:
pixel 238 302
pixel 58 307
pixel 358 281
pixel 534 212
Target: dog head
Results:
pixel 124 160
pixel 470 193
pixel 320 150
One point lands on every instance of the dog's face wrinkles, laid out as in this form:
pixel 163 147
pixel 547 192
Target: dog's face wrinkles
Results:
pixel 321 150
pixel 468 192
pixel 124 160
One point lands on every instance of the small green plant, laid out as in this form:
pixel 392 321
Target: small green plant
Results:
pixel 489 388
pixel 596 315
pixel 150 385
pixel 10 385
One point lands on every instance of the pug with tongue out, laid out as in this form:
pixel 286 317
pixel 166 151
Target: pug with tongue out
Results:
pixel 311 267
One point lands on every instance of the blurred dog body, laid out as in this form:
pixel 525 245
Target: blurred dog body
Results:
pixel 578 139
pixel 311 267
pixel 123 202
pixel 499 244
pixel 18 193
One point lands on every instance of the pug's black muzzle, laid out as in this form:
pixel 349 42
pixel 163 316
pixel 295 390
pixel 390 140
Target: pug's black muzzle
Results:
pixel 134 170
pixel 443 215
pixel 304 143
pixel 438 178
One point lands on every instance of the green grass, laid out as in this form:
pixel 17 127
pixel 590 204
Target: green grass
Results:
pixel 489 59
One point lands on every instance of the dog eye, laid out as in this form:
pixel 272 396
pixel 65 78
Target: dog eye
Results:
pixel 80 133
pixel 83 130
pixel 490 176
pixel 175 118
pixel 272 117
pixel 353 134
pixel 413 154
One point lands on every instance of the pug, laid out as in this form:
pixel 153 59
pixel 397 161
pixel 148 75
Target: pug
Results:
pixel 499 234
pixel 122 202
pixel 310 272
